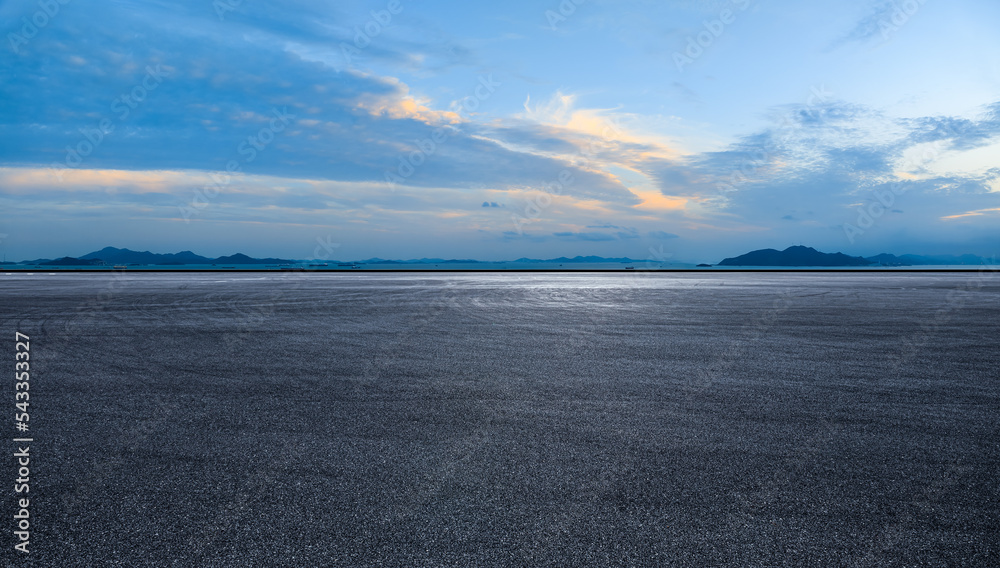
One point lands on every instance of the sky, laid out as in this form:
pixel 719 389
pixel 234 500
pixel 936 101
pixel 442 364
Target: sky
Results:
pixel 685 130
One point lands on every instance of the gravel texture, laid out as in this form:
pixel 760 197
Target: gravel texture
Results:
pixel 508 419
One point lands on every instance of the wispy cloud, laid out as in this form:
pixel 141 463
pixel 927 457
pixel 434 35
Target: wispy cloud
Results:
pixel 634 157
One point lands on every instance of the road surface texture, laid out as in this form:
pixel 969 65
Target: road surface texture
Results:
pixel 439 419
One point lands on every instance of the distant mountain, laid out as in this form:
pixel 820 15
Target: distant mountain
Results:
pixel 948 259
pixel 561 259
pixel 885 259
pixel 112 255
pixel 70 261
pixel 377 260
pixel 794 256
pixel 806 256
pixel 925 260
pixel 590 259
pixel 240 258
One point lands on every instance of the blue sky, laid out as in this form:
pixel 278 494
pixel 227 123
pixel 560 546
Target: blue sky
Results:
pixel 499 130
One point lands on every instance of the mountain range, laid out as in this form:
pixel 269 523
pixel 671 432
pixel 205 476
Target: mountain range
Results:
pixel 112 255
pixel 808 256
pixel 795 256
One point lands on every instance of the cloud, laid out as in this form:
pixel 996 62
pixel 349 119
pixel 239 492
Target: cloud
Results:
pixel 219 93
pixel 513 236
pixel 973 213
pixel 663 235
pixel 876 23
pixel 591 237
pixel 225 80
pixel 830 159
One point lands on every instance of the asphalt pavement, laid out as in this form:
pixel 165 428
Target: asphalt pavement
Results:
pixel 430 419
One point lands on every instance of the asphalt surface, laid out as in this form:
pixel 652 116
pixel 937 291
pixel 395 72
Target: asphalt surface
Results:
pixel 507 420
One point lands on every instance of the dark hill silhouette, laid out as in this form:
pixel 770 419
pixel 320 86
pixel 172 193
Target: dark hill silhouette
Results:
pixel 126 256
pixel 112 255
pixel 791 257
pixel 794 256
pixel 578 259
pixel 885 259
pixel 240 258
pixel 70 261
